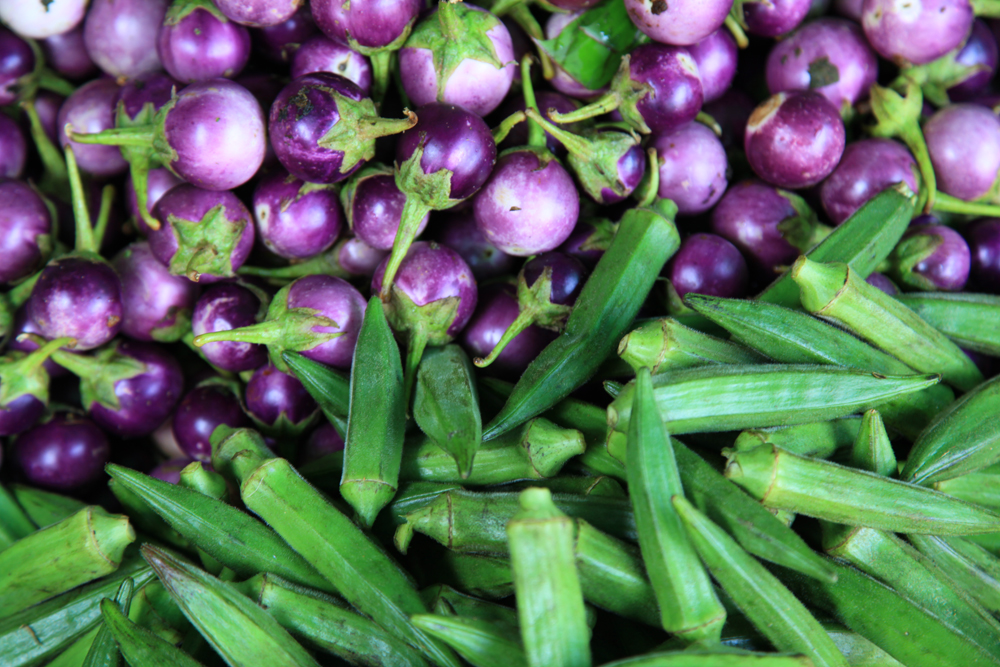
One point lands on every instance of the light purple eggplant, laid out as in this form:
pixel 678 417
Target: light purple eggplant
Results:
pixel 459 232
pixel 716 56
pixel 916 33
pixel 296 220
pixel 498 309
pixel 212 403
pixel 156 305
pixel 120 35
pixel 374 206
pixel 963 141
pixel 89 110
pixel 775 17
pixel 258 13
pixel 224 307
pixel 36 19
pixel 709 264
pixel 678 22
pixel 322 54
pixel 867 167
pixel 25 230
pixel 198 43
pixel 67 55
pixel 280 42
pixel 693 166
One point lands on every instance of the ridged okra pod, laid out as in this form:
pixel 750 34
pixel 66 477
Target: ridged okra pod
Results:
pixel 446 404
pixel 666 344
pixel 138 645
pixel 970 320
pixel 969 565
pixel 481 643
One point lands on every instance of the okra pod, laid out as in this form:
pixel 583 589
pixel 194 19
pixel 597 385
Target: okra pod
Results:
pixel 138 645
pixel 75 653
pixel 476 574
pixel 781 480
pixel 819 440
pixel 81 548
pixel 716 658
pixel 44 507
pixel 872 450
pixel 328 387
pixel 666 344
pixel 970 320
pixel 689 607
pixel 376 422
pixel 613 575
pixel 238 630
pixel 969 565
pixel 981 488
pixel 549 600
pixel 839 293
pixel 771 607
pixel 446 601
pixel 143 516
pixel 328 624
pixel 104 651
pixel 194 476
pixel 479 642
pixel 446 404
pixel 14 522
pixel 963 438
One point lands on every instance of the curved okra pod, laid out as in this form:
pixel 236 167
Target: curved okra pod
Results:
pixel 689 607
pixel 872 450
pixel 964 438
pixel 793 337
pixel 771 607
pixel 446 404
pixel 967 319
pixel 140 646
pixel 81 548
pixel 328 387
pixel 376 422
pixel 970 566
pixel 781 480
pixel 239 630
pixel 480 642
pixel 606 307
pixel 666 344
pixel 839 293
pixel 44 507
pixel 143 516
pixel 104 651
pixel 819 440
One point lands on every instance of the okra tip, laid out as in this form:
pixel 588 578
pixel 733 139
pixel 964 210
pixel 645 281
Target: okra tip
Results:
pixel 111 533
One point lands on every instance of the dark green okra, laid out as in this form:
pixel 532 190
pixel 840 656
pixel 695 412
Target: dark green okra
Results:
pixel 446 601
pixel 964 438
pixel 14 521
pixel 329 388
pixel 606 307
pixel 793 337
pixel 864 240
pixel 104 651
pixel 75 653
pixel 969 565
pixel 484 576
pixel 328 623
pixel 688 605
pixel 44 507
pixel 480 642
pixel 839 293
pixel 144 517
pixel 820 440
pixel 138 645
pixel 666 344
pixel 446 404
pixel 970 320
pixel 613 575
pixel 781 480
pixel 872 450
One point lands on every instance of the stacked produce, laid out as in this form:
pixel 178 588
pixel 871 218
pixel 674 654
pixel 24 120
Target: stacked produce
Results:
pixel 553 333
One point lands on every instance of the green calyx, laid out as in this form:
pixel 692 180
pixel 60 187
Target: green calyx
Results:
pixel 937 76
pixel 99 373
pixel 803 230
pixel 908 254
pixel 431 319
pixel 432 190
pixel 180 9
pixel 898 116
pixel 205 245
pixel 359 126
pixel 459 34
pixel 24 374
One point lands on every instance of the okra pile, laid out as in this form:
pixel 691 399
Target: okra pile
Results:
pixel 499 333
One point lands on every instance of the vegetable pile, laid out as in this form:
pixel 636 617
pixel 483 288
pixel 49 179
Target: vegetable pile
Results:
pixel 551 333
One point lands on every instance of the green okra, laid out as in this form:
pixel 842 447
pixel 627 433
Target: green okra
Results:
pixel 897 564
pixel 328 624
pixel 328 387
pixel 158 613
pixel 716 658
pixel 75 653
pixel 781 480
pixel 901 628
pixel 196 477
pixel 872 450
pixel 476 574
pixel 607 305
pixel 376 422
pixel 964 438
pixel 726 398
pixel 239 630
pixel 969 565
pixel 39 633
pixel 14 521
pixel 550 607
pixel 819 440
pixel 140 646
pixel 581 486
pixel 411 497
pixel 689 607
pixel 144 517
pixel 864 240
pixel 357 567
pixel 858 651
pixel 227 442
pixel 771 607
pixel 446 404
pixel 613 575
pixel 232 537
pixel 666 344
pixel 838 293
pixel 981 488
pixel 793 337
pixel 104 651
pixel 446 601
pixel 480 643
pixel 78 549
pixel 44 507
pixel 967 319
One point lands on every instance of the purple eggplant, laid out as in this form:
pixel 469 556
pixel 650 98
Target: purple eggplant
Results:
pixel 279 404
pixel 867 167
pixel 851 9
pixel 348 258
pixel 774 17
pixel 322 441
pixel 716 57
pixel 460 233
pixel 830 56
pixel 65 453
pixel 280 42
pixel 657 89
pixel 211 404
pixel 38 20
pixel 17 61
pixel 881 281
pixel 984 247
pixel 357 258
pixel 258 13
pixel 67 55
pixel 916 33
pixel 731 112
pixel 547 287
pixel 25 231
pixel 318 316
pixel 794 139
pixel 296 220
pixel 709 264
pixel 204 235
pixel 445 158
pixel 198 43
pixel 323 128
pixel 498 310
pixel 979 55
pixel 46 105
pixel 91 109
pixel 24 386
pixel 156 305
pixel 693 165
pixel 120 35
pixel 460 54
pixel 374 206
pixel 963 141
pixel 931 258
pixel 224 307
pixel 430 301
pixel 211 134
pixel 159 182
pixel 321 54
pixel 590 239
pixel 678 22
pixel 13 150
pixel 24 325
